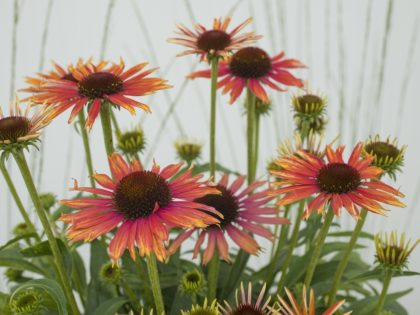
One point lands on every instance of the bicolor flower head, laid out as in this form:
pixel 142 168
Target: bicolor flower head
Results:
pixel 244 211
pixel 141 205
pixel 350 185
pixel 392 252
pixel 20 128
pixel 245 306
pixel 387 154
pixel 93 84
pixel 294 307
pixel 214 42
pixel 252 67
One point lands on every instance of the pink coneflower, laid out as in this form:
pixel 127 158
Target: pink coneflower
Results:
pixel 242 212
pixel 296 308
pixel 92 84
pixel 141 204
pixel 346 185
pixel 216 41
pixel 252 67
pixel 244 304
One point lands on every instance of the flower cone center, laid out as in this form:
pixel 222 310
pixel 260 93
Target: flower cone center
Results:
pixel 250 63
pixel 382 150
pixel 98 84
pixel 247 310
pixel 12 128
pixel 213 40
pixel 137 193
pixel 226 203
pixel 338 178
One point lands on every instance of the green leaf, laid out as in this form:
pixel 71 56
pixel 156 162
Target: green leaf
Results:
pixel 51 288
pixel 17 239
pixel 13 259
pixel 111 306
pixel 367 306
pixel 378 274
pixel 350 233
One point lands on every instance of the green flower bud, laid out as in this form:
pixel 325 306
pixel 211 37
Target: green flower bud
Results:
pixel 392 253
pixel 48 200
pixel 193 282
pixel 131 142
pixel 206 309
pixel 387 154
pixel 110 273
pixel 188 150
pixel 309 105
pixel 13 275
pixel 21 229
pixel 27 302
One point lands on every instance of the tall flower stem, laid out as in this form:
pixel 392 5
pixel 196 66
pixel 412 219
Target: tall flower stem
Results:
pixel 213 89
pixel 16 197
pixel 318 247
pixel 155 284
pixel 134 301
pixel 251 115
pixel 214 264
pixel 256 141
pixel 276 255
pixel 58 260
pixel 387 282
pixel 86 146
pixel 292 245
pixel 346 256
pixel 107 127
pixel 242 257
pixel 284 228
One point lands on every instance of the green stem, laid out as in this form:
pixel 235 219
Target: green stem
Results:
pixel 155 284
pixel 276 255
pixel 107 127
pixel 256 142
pixel 214 71
pixel 17 199
pixel 115 123
pixel 134 301
pixel 318 247
pixel 292 245
pixel 58 260
pixel 86 146
pixel 250 134
pixel 213 276
pixel 242 257
pixel 345 257
pixel 387 282
pixel 284 228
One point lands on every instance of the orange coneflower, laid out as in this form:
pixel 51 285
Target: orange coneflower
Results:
pixel 346 185
pixel 141 204
pixel 216 41
pixel 252 67
pixel 91 84
pixel 242 212
pixel 296 308
pixel 19 126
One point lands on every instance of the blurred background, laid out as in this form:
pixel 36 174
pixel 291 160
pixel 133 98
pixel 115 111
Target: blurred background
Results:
pixel 362 54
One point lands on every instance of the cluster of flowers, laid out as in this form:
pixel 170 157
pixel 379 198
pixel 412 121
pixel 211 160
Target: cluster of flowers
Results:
pixel 143 208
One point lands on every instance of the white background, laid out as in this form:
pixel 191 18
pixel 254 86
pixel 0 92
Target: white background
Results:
pixel 331 37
